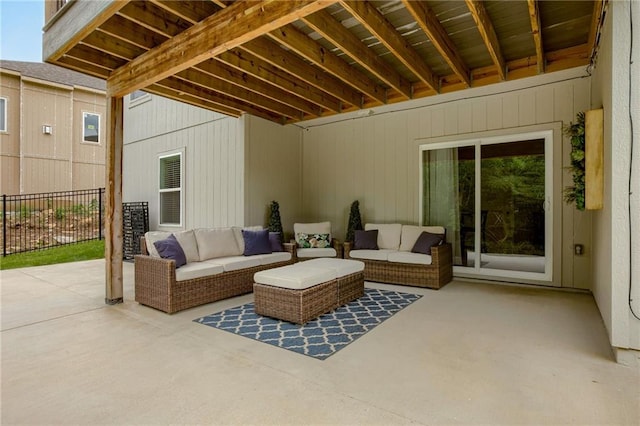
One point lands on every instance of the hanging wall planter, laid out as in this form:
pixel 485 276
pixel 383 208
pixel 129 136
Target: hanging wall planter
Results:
pixel 576 193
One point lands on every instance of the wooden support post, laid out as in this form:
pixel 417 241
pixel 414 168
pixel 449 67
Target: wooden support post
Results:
pixel 113 205
pixel 594 159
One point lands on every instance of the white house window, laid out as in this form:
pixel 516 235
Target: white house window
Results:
pixel 170 188
pixel 137 94
pixel 90 127
pixel 3 114
pixel 138 97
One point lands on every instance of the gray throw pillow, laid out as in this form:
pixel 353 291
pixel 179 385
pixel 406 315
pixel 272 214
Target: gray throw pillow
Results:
pixel 425 241
pixel 170 248
pixel 256 242
pixel 366 240
pixel 276 241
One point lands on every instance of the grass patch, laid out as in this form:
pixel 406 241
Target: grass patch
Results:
pixel 69 253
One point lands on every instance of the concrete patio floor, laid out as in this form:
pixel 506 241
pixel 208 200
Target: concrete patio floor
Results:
pixel 467 354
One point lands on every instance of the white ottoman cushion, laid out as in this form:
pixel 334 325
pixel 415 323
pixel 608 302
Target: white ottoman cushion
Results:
pixel 295 277
pixel 343 267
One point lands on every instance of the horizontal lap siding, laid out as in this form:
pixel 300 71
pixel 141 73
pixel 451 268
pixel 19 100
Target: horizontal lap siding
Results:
pixel 375 159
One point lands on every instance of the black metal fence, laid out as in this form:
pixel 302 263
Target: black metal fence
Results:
pixel 39 221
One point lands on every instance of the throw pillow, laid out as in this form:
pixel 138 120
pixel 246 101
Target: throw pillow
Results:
pixel 276 241
pixel 313 240
pixel 169 248
pixel 425 241
pixel 366 240
pixel 256 242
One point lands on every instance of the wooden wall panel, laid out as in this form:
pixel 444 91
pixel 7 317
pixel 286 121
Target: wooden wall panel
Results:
pixel 386 180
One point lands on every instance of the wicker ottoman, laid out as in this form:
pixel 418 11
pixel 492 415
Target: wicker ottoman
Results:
pixel 301 292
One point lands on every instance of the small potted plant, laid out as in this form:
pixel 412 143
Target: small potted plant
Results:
pixel 275 223
pixel 355 221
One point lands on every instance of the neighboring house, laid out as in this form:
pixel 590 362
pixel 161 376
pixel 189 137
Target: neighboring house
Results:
pixel 52 129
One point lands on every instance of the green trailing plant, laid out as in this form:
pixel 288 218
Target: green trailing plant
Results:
pixel 275 223
pixel 575 193
pixel 355 221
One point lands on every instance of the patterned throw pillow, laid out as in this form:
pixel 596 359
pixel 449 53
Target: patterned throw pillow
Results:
pixel 313 240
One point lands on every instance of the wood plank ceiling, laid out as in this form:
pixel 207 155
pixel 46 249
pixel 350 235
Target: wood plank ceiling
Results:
pixel 289 61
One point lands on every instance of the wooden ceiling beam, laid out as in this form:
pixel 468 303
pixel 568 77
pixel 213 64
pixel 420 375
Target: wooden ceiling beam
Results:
pixel 488 34
pixel 97 57
pixel 191 11
pixel 183 97
pixel 154 18
pixel 228 28
pixel 429 23
pixel 243 95
pixel 124 29
pixel 386 33
pixel 246 81
pixel 83 67
pixel 189 88
pixel 250 64
pixel 115 47
pixel 304 46
pixel 333 31
pixel 536 31
pixel 290 63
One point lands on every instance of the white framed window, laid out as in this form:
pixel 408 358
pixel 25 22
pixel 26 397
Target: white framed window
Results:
pixel 90 127
pixel 170 181
pixel 3 114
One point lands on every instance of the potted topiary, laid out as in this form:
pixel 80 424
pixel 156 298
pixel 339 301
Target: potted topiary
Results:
pixel 275 223
pixel 575 193
pixel 355 221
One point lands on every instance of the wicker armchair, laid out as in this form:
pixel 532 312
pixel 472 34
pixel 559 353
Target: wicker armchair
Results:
pixel 335 249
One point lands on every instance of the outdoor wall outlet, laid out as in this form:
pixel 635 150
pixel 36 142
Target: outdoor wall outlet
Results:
pixel 578 249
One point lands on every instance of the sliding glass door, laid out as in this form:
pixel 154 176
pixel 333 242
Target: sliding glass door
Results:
pixel 493 196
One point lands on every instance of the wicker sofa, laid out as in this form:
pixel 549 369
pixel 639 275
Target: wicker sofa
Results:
pixel 216 268
pixel 394 262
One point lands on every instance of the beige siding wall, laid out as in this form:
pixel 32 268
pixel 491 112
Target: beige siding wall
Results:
pixel 10 140
pixel 34 162
pixel 213 160
pixel 376 159
pixel 272 172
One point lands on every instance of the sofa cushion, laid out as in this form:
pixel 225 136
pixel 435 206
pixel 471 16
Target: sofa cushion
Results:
pixel 410 234
pixel 256 242
pixel 297 276
pixel 316 252
pixel 312 241
pixel 343 267
pixel 275 257
pixel 408 257
pixel 237 232
pixel 425 241
pixel 153 236
pixel 275 239
pixel 366 240
pixel 388 234
pixel 234 263
pixel 216 242
pixel 312 228
pixel 194 270
pixel 169 248
pixel 187 240
pixel 381 254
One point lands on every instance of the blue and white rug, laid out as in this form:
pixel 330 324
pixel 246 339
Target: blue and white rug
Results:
pixel 319 338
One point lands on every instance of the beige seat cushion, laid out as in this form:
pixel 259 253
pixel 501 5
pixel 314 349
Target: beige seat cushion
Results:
pixel 408 257
pixel 275 257
pixel 187 240
pixel 382 254
pixel 197 270
pixel 306 253
pixel 410 234
pixel 234 263
pixel 388 234
pixel 295 277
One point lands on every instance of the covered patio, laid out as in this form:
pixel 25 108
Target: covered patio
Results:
pixel 467 354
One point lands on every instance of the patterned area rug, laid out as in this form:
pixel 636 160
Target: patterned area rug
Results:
pixel 319 338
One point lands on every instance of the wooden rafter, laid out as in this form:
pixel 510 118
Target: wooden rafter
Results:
pixel 230 27
pixel 488 34
pixel 271 53
pixel 332 30
pixel 150 16
pixel 183 97
pixel 378 25
pixel 536 31
pixel 317 54
pixel 128 31
pixel 250 64
pixel 245 81
pixel 193 11
pixel 432 27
